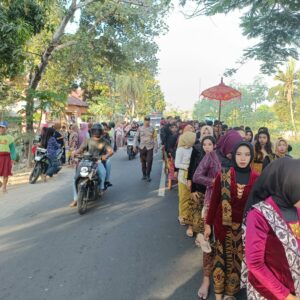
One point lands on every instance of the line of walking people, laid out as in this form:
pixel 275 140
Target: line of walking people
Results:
pixel 240 196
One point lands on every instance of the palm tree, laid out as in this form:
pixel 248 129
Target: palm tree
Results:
pixel 131 89
pixel 286 92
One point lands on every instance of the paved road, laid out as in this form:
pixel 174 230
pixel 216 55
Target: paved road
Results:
pixel 128 246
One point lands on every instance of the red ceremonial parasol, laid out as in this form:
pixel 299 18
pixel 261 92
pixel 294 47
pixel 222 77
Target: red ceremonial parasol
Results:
pixel 221 92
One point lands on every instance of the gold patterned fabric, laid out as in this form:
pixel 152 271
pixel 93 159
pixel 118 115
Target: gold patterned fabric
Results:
pixel 228 262
pixel 196 212
pixel 184 194
pixel 296 229
pixel 257 167
pixel 226 197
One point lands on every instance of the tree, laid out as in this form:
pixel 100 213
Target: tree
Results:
pixel 235 112
pixel 19 21
pixel 110 31
pixel 286 93
pixel 275 24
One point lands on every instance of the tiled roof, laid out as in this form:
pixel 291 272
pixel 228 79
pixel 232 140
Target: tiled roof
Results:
pixel 77 102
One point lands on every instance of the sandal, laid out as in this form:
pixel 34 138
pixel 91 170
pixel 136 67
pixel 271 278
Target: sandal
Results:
pixel 202 243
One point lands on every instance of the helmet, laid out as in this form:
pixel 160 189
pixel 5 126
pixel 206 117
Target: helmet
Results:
pixel 97 130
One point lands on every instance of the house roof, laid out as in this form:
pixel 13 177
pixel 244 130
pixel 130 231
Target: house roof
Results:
pixel 76 102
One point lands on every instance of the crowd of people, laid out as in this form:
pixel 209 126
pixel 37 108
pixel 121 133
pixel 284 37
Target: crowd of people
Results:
pixel 239 194
pixel 69 140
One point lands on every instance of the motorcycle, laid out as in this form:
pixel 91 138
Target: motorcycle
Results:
pixel 42 163
pixel 87 183
pixel 130 147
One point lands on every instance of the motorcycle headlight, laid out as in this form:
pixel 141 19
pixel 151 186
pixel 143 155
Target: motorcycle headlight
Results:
pixel 84 172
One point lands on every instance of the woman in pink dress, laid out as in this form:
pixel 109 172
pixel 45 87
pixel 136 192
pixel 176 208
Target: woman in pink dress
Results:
pixel 272 239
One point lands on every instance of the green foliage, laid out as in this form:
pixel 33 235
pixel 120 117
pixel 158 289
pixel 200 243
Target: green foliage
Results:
pixel 140 93
pixel 274 24
pixel 235 112
pixel 114 39
pixel 19 21
pixel 286 95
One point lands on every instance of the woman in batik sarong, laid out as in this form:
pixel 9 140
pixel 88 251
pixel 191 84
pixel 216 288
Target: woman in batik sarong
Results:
pixel 230 193
pixel 197 190
pixel 182 162
pixel 205 174
pixel 272 247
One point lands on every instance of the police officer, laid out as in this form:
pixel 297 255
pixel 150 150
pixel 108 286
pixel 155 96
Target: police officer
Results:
pixel 146 141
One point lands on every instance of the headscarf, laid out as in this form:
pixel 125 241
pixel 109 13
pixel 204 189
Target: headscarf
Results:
pixel 187 139
pixel 204 128
pixel 279 140
pixel 188 128
pixel 74 128
pixel 280 180
pixel 83 132
pixel 242 174
pixel 234 152
pixel 227 142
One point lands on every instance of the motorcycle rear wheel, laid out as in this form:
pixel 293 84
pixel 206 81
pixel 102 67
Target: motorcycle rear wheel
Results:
pixel 35 174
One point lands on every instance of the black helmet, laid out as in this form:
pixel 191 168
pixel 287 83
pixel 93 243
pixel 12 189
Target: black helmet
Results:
pixel 112 124
pixel 97 130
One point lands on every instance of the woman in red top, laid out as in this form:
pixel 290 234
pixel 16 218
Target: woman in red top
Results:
pixel 230 193
pixel 272 241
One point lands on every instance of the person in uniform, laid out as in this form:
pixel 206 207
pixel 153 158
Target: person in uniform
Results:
pixel 145 140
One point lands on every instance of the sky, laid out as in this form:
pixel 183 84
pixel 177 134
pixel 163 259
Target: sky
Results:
pixel 195 53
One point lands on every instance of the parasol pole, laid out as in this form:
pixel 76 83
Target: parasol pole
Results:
pixel 220 110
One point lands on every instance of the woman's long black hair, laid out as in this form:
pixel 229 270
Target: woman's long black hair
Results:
pixel 258 148
pixel 49 133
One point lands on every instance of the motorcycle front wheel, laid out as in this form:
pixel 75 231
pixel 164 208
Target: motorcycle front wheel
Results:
pixel 35 174
pixel 83 198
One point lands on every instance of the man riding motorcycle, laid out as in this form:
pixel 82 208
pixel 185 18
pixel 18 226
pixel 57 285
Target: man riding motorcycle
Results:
pixel 133 130
pixel 99 148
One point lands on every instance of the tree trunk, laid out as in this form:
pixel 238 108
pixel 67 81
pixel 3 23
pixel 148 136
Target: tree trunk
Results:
pixel 36 78
pixel 132 109
pixel 293 118
pixel 290 101
pixel 37 75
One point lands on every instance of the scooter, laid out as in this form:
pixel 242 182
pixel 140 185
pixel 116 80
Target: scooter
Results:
pixel 130 147
pixel 42 163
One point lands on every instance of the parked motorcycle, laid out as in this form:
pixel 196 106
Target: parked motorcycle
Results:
pixel 41 164
pixel 87 183
pixel 130 147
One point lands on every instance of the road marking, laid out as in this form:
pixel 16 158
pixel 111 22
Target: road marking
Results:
pixel 162 185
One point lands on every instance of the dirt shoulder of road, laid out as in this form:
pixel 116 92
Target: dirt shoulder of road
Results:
pixel 21 176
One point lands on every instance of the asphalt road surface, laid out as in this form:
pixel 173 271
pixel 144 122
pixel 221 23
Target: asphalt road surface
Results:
pixel 128 246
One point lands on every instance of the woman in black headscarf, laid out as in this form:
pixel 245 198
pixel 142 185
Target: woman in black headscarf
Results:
pixel 231 189
pixel 272 240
